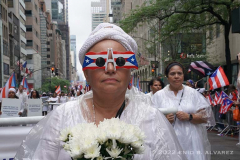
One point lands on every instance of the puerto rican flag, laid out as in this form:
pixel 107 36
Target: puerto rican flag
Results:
pixel 58 90
pixel 201 68
pixel 210 100
pixel 90 59
pixel 131 83
pixel 226 105
pixel 223 95
pixel 218 79
pixel 11 83
pixel 25 85
pixel 87 88
pixel 217 96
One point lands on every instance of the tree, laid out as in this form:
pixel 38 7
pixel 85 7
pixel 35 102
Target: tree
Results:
pixel 185 16
pixel 51 83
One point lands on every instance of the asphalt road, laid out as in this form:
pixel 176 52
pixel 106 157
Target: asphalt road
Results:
pixel 223 147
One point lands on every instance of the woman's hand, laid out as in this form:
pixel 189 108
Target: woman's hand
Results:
pixel 170 117
pixel 182 116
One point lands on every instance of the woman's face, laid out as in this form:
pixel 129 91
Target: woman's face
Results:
pixel 11 94
pixel 34 94
pixel 109 81
pixel 156 86
pixel 189 84
pixel 175 76
pixel 54 94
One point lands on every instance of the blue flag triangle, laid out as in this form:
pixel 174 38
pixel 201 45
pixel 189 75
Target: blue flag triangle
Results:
pixel 133 60
pixel 87 61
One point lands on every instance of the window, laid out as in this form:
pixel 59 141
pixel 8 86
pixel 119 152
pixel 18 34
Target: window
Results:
pixel 48 49
pixel 29 28
pixel 10 3
pixel 36 7
pixel 23 33
pixel 48 56
pixel 48 43
pixel 6 68
pixel 48 62
pixel 28 12
pixel 36 34
pixel 36 20
pixel 29 43
pixel 50 34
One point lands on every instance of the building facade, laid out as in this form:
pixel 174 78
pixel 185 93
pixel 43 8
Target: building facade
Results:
pixel 100 10
pixel 73 49
pixel 17 36
pixel 33 46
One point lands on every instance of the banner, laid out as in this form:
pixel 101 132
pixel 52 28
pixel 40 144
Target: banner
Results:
pixel 9 143
pixel 10 107
pixel 34 107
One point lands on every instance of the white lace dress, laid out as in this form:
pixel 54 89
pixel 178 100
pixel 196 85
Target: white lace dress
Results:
pixel 160 144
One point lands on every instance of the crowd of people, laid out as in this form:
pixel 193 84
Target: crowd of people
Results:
pixel 23 96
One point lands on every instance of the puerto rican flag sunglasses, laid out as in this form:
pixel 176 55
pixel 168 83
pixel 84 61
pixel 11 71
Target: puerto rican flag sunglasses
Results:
pixel 100 60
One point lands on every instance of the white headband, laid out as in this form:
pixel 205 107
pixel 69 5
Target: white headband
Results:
pixel 108 31
pixel 12 89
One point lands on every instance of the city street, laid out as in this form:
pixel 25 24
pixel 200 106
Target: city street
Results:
pixel 223 147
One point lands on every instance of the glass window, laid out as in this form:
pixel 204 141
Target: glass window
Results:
pixel 28 12
pixel 29 28
pixel 6 68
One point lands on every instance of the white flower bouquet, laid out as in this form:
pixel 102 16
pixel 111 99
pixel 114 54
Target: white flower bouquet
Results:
pixel 111 139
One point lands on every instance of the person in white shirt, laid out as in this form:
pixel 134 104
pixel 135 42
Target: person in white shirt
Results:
pixel 22 95
pixel 62 98
pixel 194 112
pixel 155 84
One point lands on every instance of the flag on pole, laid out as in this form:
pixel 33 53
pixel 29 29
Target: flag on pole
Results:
pixel 218 79
pixel 11 83
pixel 25 65
pixel 217 96
pixel 223 95
pixel 201 68
pixel 87 88
pixel 131 83
pixel 27 71
pixel 210 100
pixel 58 90
pixel 226 105
pixel 25 85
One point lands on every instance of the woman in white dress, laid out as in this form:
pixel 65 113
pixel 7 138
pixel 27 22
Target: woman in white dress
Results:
pixel 156 84
pixel 194 112
pixel 53 99
pixel 108 98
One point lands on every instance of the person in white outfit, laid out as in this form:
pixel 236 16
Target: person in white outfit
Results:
pixel 194 112
pixel 108 98
pixel 155 84
pixel 62 98
pixel 22 95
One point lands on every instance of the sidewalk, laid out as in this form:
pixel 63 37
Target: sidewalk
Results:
pixel 223 147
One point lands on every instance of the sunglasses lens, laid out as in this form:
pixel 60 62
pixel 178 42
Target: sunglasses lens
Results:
pixel 100 61
pixel 120 61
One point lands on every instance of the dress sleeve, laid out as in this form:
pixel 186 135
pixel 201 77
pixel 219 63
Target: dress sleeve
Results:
pixel 204 109
pixel 42 141
pixel 165 145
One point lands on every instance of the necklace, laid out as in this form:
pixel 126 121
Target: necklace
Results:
pixel 118 115
pixel 94 114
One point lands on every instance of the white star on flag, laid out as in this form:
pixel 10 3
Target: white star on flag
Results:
pixel 87 61
pixel 132 60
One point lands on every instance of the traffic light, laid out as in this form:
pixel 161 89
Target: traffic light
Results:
pixel 153 70
pixel 52 69
pixel 56 72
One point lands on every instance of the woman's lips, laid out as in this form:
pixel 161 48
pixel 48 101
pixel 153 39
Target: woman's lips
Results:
pixel 110 80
